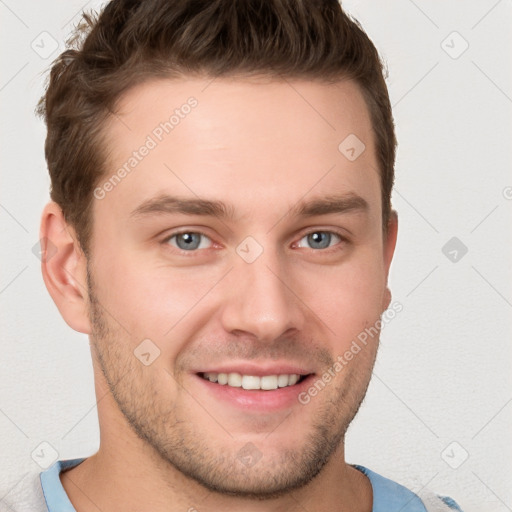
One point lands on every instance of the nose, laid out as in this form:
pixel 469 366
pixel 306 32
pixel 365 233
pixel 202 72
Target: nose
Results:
pixel 261 300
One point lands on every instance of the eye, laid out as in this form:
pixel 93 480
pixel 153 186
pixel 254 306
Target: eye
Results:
pixel 319 240
pixel 189 241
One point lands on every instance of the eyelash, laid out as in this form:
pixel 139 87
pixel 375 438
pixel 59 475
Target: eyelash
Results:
pixel 343 239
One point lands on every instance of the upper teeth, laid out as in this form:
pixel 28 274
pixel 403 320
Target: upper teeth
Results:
pixel 237 380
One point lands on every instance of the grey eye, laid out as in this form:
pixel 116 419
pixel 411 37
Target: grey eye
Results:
pixel 319 240
pixel 189 241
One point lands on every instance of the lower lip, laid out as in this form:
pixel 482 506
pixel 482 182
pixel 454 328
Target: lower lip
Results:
pixel 256 399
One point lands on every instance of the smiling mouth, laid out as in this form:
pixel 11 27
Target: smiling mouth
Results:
pixel 254 382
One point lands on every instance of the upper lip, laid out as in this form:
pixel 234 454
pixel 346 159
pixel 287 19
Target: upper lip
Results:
pixel 258 370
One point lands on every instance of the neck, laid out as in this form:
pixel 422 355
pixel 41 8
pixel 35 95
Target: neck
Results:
pixel 128 484
pixel 126 474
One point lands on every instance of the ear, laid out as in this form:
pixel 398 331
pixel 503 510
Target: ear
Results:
pixel 389 249
pixel 64 268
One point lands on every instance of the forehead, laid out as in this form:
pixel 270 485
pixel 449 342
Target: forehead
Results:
pixel 249 139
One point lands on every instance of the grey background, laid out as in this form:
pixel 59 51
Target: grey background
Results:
pixel 438 413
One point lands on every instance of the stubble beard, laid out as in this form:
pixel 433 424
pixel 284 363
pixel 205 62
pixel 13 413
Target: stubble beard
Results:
pixel 173 441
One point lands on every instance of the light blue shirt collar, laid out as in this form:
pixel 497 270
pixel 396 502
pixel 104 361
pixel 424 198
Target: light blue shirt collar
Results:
pixel 388 496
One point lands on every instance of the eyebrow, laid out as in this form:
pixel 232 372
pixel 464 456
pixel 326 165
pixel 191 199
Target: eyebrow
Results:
pixel 331 204
pixel 171 204
pixel 196 206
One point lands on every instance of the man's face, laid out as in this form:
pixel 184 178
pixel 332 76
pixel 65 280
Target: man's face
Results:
pixel 272 264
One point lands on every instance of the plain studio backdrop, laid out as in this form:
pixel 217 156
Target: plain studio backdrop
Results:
pixel 439 409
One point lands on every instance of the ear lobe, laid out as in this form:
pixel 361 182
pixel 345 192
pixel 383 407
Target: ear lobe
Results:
pixel 64 268
pixel 390 240
pixel 389 250
pixel 386 300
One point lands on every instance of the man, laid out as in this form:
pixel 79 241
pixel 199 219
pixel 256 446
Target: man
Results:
pixel 221 228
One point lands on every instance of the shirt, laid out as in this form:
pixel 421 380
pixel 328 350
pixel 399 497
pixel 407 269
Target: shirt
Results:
pixel 43 492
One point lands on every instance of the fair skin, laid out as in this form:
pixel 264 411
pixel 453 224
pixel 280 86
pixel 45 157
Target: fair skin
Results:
pixel 169 439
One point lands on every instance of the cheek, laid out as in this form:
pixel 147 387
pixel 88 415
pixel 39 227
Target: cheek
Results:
pixel 152 300
pixel 347 298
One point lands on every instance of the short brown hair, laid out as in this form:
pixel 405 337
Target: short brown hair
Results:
pixel 132 41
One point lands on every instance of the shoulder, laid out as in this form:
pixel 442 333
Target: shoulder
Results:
pixel 24 494
pixel 38 491
pixel 389 495
pixel 434 502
